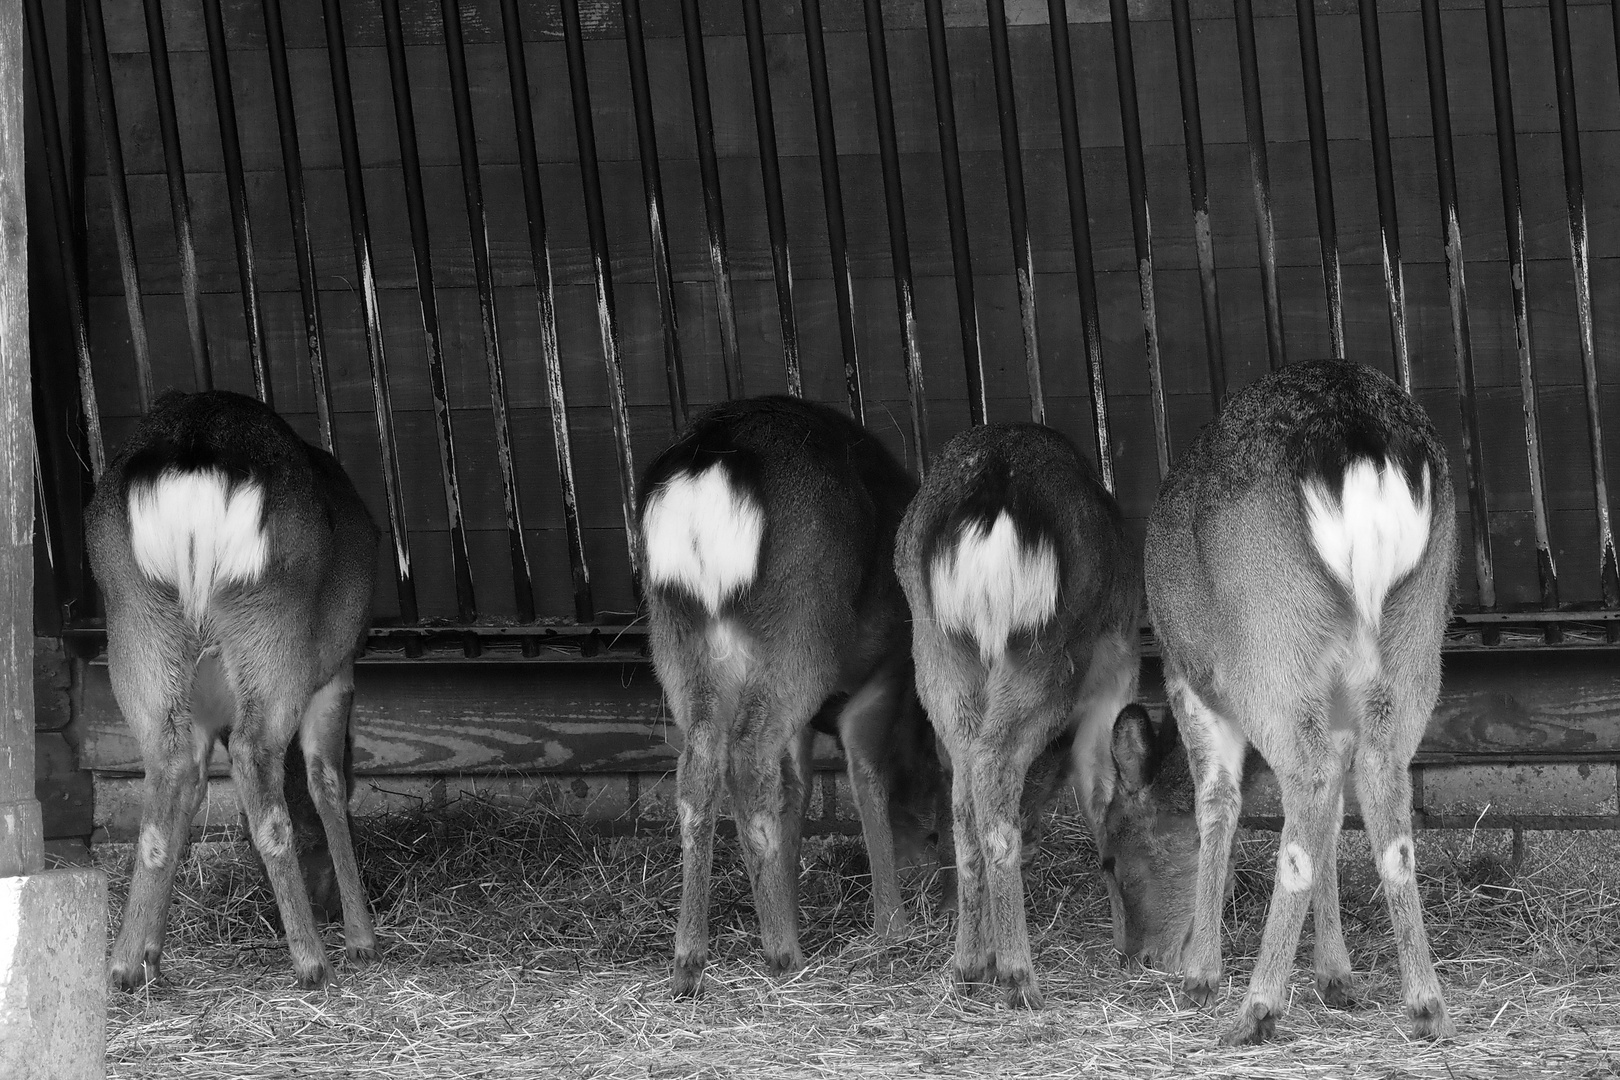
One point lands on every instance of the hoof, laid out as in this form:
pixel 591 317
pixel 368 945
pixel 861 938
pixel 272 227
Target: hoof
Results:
pixel 362 953
pixel 1255 1024
pixel 1022 992
pixel 893 927
pixel 314 976
pixel 1430 1020
pixel 130 977
pixel 1335 991
pixel 687 978
pixel 1199 992
pixel 783 963
pixel 972 973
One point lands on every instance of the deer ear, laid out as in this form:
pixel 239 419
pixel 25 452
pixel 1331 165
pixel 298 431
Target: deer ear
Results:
pixel 1134 757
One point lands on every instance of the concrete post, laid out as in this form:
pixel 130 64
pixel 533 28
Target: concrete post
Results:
pixel 53 924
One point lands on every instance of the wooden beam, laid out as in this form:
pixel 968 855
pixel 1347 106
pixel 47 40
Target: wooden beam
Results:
pixel 21 835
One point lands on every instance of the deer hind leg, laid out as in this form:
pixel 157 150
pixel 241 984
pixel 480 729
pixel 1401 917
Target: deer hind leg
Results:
pixel 1215 750
pixel 997 780
pixel 863 728
pixel 324 737
pixel 150 678
pixel 1384 787
pixel 266 722
pixel 1311 786
pixel 699 774
pixel 1331 958
pixel 768 797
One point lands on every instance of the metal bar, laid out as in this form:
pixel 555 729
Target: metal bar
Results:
pixel 697 74
pixel 1507 152
pixel 832 197
pixel 894 199
pixel 230 145
pixel 1141 228
pixel 1254 124
pixel 652 184
pixel 473 191
pixel 416 210
pixel 179 202
pixel 1575 194
pixel 1192 131
pixel 360 234
pixel 1457 288
pixel 1080 235
pixel 607 321
pixel 1389 229
pixel 292 166
pixel 770 172
pixel 1327 229
pixel 1012 166
pixel 62 218
pixel 517 70
pixel 118 183
pixel 950 161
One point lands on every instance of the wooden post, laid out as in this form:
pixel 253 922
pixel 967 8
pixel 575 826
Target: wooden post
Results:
pixel 53 937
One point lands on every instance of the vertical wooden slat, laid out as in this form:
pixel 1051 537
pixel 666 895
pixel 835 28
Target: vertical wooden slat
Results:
pixel 179 202
pixel 416 211
pixel 832 198
pixel 1569 129
pixel 1012 167
pixel 230 144
pixel 62 217
pixel 894 201
pixel 652 185
pixel 770 170
pixel 472 188
pixel 1389 229
pixel 360 235
pixel 1254 126
pixel 950 161
pixel 1085 277
pixel 118 189
pixel 1457 291
pixel 1507 152
pixel 1327 230
pixel 292 167
pixel 697 74
pixel 1141 227
pixel 607 319
pixel 1192 132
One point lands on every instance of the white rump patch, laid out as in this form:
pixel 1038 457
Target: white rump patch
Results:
pixel 192 531
pixel 1397 863
pixel 1374 536
pixel 989 584
pixel 1294 870
pixel 154 848
pixel 703 535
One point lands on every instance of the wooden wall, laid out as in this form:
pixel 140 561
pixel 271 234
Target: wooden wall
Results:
pixel 1549 275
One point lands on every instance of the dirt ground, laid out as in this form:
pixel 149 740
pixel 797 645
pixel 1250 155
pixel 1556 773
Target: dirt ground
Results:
pixel 519 944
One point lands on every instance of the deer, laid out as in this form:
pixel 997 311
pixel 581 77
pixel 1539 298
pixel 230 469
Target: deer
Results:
pixel 767 539
pixel 1299 565
pixel 1025 596
pixel 237 564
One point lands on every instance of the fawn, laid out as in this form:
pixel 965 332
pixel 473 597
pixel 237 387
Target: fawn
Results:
pixel 1298 567
pixel 237 565
pixel 1025 597
pixel 768 536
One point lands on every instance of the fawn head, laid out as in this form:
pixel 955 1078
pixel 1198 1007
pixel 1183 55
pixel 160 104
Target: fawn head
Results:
pixel 1148 843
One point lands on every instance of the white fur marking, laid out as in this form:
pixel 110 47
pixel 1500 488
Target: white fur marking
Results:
pixel 989 584
pixel 1003 845
pixel 189 531
pixel 1294 869
pixel 154 849
pixel 703 535
pixel 1395 865
pixel 762 834
pixel 274 834
pixel 1374 536
pixel 689 820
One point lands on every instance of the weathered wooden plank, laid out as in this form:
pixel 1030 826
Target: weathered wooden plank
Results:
pixel 414 718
